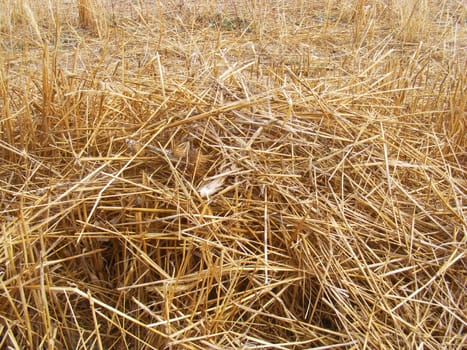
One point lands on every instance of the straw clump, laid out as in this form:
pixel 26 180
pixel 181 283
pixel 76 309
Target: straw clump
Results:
pixel 200 175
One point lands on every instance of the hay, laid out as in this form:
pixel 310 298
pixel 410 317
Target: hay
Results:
pixel 233 175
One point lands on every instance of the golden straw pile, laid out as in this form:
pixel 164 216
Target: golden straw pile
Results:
pixel 233 174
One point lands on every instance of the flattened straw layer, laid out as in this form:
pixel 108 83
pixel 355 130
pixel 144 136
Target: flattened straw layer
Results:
pixel 277 177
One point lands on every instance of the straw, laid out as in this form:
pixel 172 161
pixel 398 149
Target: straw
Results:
pixel 232 174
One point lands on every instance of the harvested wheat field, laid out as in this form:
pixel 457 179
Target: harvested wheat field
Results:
pixel 233 174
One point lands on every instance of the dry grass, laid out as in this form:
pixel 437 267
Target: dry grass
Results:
pixel 232 175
